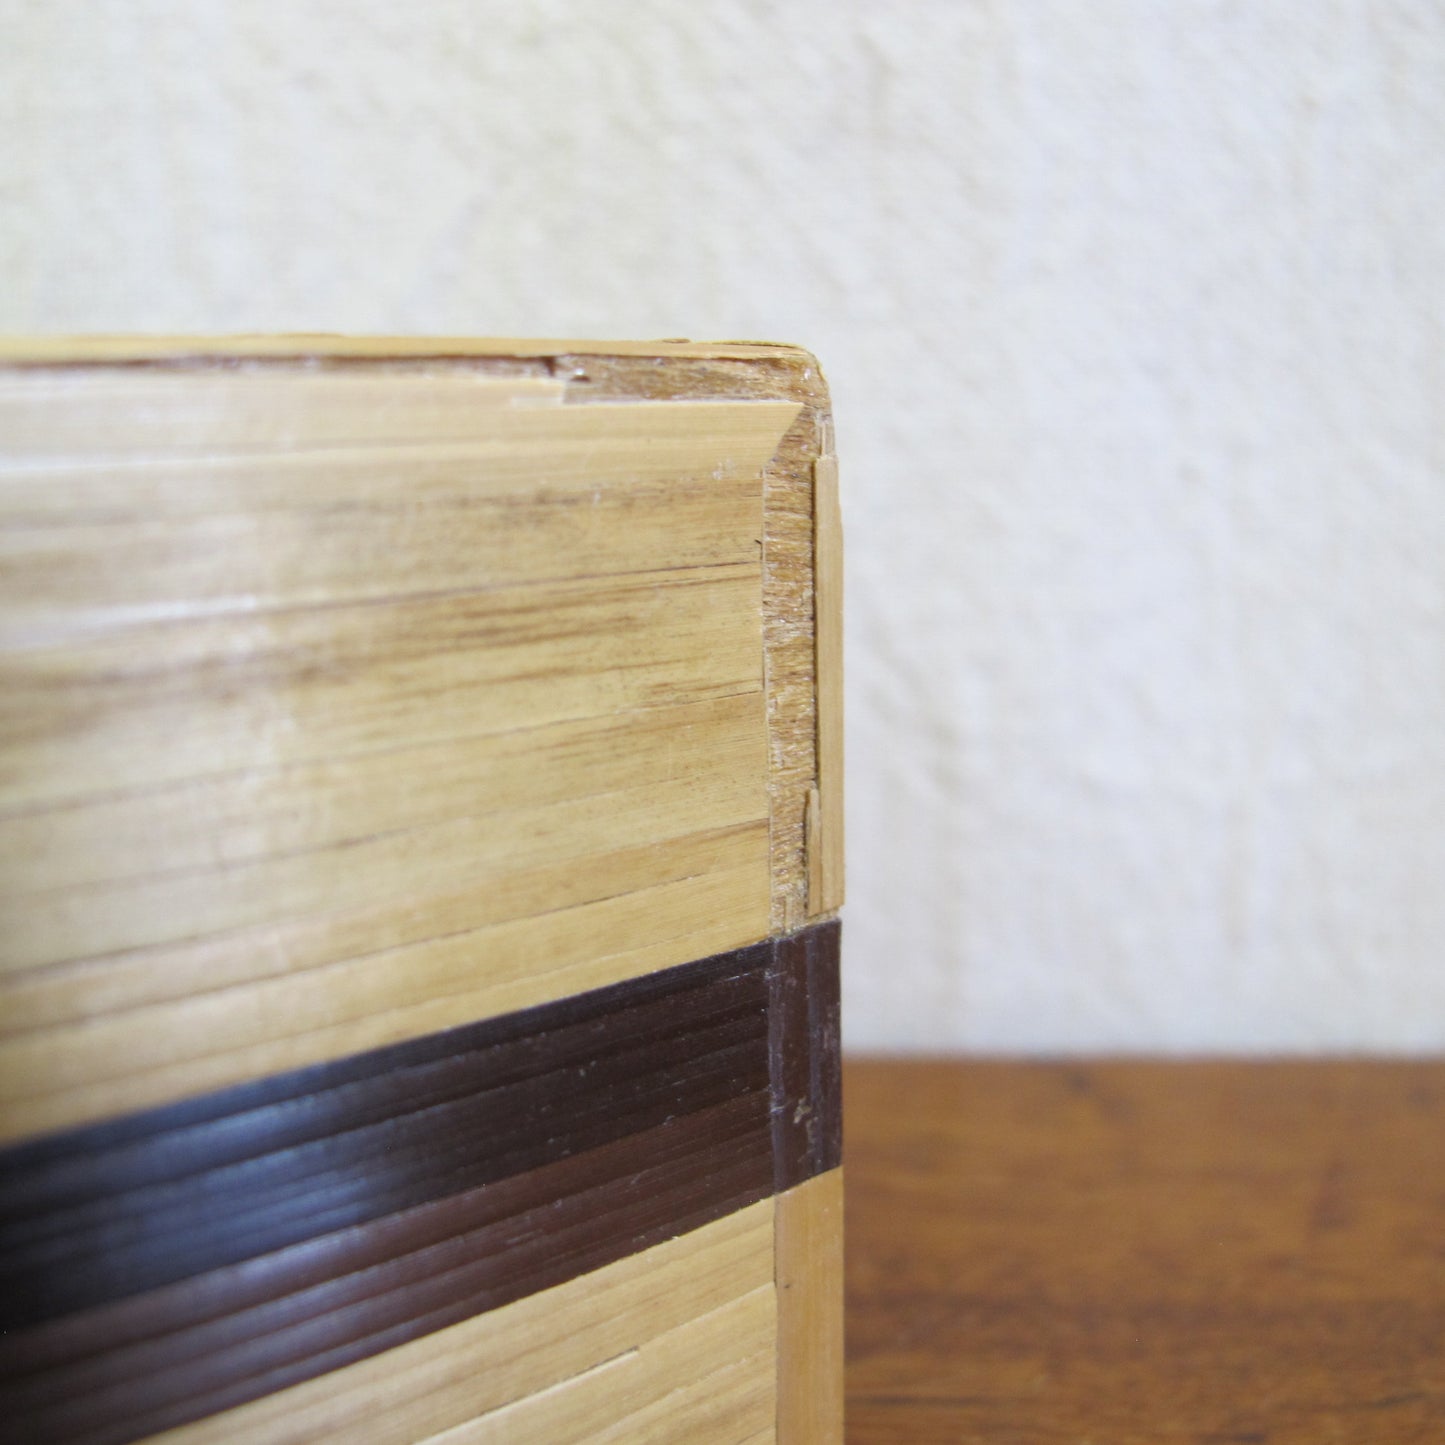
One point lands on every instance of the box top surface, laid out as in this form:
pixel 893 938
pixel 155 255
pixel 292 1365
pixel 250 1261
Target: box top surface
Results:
pixel 61 350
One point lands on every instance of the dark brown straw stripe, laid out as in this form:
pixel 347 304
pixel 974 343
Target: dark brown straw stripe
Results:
pixel 169 1265
pixel 804 1030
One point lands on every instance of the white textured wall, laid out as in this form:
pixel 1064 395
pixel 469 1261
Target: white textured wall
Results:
pixel 1133 314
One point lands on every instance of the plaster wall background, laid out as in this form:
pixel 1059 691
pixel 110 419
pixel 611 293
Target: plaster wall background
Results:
pixel 1135 321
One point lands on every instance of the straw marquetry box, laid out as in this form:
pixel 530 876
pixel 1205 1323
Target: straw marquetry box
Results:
pixel 420 847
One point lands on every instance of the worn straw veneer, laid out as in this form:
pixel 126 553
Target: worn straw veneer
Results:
pixel 420 835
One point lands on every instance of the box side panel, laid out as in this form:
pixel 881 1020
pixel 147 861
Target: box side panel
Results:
pixel 331 719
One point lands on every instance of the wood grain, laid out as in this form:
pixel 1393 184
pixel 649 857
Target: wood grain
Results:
pixel 349 700
pixel 809 1244
pixel 1141 1252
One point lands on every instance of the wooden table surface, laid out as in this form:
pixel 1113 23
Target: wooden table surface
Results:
pixel 1146 1253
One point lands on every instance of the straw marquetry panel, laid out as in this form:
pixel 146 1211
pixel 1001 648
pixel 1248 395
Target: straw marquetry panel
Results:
pixel 809 1238
pixel 337 707
pixel 171 1265
pixel 420 835
pixel 611 1346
